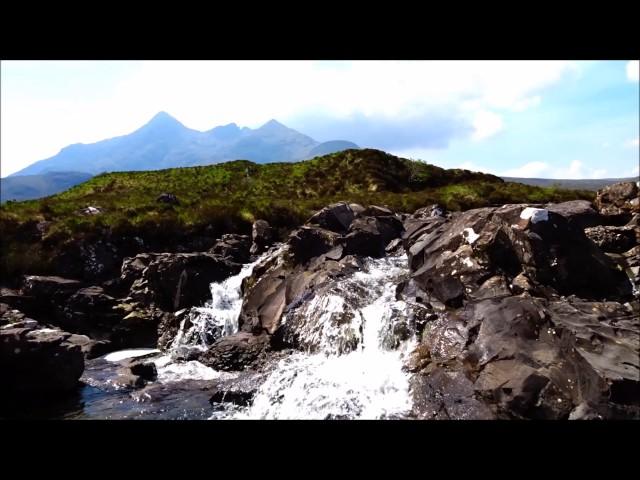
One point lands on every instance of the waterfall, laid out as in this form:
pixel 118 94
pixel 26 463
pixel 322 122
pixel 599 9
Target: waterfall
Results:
pixel 355 371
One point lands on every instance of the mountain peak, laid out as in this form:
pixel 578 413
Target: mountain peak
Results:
pixel 272 124
pixel 163 118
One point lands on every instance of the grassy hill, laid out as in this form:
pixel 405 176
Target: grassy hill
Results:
pixel 228 197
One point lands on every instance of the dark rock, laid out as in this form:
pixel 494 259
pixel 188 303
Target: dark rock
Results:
pixel 49 289
pixel 239 390
pixel 38 361
pixel 442 395
pixel 234 247
pixel 91 348
pixel 618 202
pixel 336 217
pixel 369 236
pixel 262 236
pixel 451 258
pixel 434 210
pixel 613 239
pixel 236 352
pixel 308 242
pixel 578 213
pixel 91 312
pixel 168 198
pixel 173 281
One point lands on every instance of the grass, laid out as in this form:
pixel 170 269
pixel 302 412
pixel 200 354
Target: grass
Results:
pixel 228 197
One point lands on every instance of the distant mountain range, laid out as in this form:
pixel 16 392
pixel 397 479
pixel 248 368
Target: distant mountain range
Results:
pixel 27 187
pixel 581 184
pixel 164 142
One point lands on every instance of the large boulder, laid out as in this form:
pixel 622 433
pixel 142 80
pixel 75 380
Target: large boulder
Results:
pixel 262 236
pixel 49 289
pixel 451 258
pixel 578 213
pixel 173 281
pixel 90 311
pixel 524 357
pixel 369 235
pixel 336 217
pixel 237 352
pixel 233 247
pixel 613 239
pixel 38 361
pixel 618 202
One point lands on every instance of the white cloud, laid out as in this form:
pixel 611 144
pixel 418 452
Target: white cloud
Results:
pixel 486 124
pixel 39 118
pixel 575 170
pixel 633 143
pixel 528 170
pixel 633 70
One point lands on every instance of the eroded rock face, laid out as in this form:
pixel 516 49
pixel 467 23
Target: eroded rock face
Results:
pixel 451 258
pixel 35 360
pixel 173 281
pixel 236 352
pixel 233 247
pixel 618 202
pixel 613 239
pixel 262 236
pixel 336 217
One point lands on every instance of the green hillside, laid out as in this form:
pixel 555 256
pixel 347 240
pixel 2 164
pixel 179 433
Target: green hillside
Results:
pixel 228 197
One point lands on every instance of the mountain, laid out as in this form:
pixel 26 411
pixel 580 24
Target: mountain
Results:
pixel 582 184
pixel 27 187
pixel 164 142
pixel 326 148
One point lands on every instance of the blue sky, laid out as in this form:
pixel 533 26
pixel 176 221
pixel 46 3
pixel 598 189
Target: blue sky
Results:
pixel 534 119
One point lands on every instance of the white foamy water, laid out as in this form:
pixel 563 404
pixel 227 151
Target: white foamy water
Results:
pixel 220 315
pixel 192 370
pixel 368 381
pixel 134 352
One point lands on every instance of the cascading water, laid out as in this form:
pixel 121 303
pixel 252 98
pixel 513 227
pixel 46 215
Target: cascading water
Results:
pixel 217 318
pixel 355 372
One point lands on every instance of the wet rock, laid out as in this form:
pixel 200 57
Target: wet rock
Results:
pixel 443 395
pixel 234 247
pixel 613 239
pixel 336 217
pixel 91 312
pixel 38 361
pixel 91 348
pixel 262 236
pixel 618 202
pixel 309 242
pixel 50 289
pixel 451 258
pixel 239 390
pixel 169 326
pixel 578 213
pixel 369 236
pixel 236 352
pixel 139 327
pixel 173 281
pixel 168 198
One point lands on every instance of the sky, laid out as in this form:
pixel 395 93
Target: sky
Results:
pixel 548 119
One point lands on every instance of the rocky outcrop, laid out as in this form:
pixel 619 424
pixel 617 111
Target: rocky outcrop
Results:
pixel 336 217
pixel 578 213
pixel 452 258
pixel 613 239
pixel 233 247
pixel 262 236
pixel 312 256
pixel 168 198
pixel 90 311
pixel 236 352
pixel 136 372
pixel 173 281
pixel 35 360
pixel 618 202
